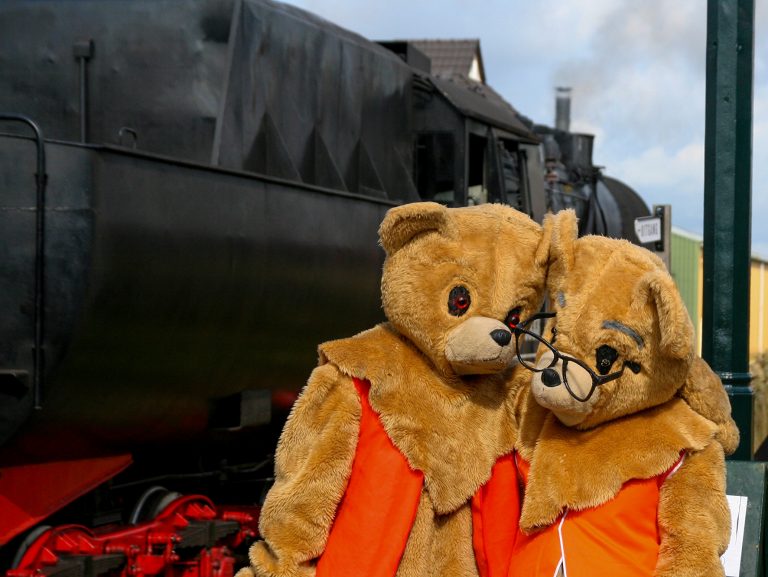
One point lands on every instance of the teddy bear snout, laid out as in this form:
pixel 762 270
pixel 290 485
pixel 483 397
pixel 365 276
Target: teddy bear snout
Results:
pixel 501 336
pixel 480 345
pixel 550 378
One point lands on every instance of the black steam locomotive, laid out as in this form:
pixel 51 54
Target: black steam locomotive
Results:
pixel 189 205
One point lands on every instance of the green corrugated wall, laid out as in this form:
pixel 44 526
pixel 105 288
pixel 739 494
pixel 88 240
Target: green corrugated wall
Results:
pixel 685 270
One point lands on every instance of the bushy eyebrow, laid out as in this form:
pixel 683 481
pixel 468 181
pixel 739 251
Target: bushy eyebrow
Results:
pixel 616 325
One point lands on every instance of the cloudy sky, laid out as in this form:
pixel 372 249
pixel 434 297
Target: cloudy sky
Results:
pixel 637 70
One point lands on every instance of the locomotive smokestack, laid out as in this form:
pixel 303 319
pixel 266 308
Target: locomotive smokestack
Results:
pixel 563 108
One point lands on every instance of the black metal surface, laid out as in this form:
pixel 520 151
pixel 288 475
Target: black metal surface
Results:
pixel 205 533
pixel 195 535
pixel 311 102
pixel 627 203
pixel 238 231
pixel 244 84
pixel 157 67
pixel 481 102
pixel 728 206
pixel 173 284
pixel 604 205
pixel 85 565
pixel 103 564
pixel 71 567
pixel 38 316
pixel 83 52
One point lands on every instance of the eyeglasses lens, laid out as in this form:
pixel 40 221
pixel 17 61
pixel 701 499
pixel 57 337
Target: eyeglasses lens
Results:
pixel 578 381
pixel 527 345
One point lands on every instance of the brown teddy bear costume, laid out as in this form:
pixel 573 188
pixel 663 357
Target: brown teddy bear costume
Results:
pixel 620 476
pixel 433 384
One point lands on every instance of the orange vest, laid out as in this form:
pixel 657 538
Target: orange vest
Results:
pixel 620 537
pixel 495 515
pixel 376 513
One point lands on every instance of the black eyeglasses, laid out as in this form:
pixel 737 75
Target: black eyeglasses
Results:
pixel 523 340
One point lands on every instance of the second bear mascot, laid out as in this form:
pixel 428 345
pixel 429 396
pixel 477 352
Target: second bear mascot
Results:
pixel 620 476
pixel 400 426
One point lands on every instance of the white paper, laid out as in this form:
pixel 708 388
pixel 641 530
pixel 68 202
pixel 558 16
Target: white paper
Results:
pixel 731 559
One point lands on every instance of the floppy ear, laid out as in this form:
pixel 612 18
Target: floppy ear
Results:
pixel 402 223
pixel 560 233
pixel 703 391
pixel 675 325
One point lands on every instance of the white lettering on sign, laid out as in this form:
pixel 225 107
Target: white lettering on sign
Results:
pixel 648 228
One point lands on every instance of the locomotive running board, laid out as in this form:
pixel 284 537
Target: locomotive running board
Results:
pixel 29 493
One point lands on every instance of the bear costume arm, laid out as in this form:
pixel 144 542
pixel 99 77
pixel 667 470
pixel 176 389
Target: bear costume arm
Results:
pixel 704 392
pixel 312 466
pixel 694 519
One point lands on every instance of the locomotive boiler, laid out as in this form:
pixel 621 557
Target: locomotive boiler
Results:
pixel 190 199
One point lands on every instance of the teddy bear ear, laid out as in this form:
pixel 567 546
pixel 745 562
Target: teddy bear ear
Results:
pixel 674 322
pixel 560 233
pixel 403 223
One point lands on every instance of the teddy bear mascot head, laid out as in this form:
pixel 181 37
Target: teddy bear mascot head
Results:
pixel 621 476
pixel 400 426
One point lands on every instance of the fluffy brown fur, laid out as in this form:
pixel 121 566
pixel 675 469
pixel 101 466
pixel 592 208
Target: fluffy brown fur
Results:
pixel 594 461
pixel 704 392
pixel 607 292
pixel 439 383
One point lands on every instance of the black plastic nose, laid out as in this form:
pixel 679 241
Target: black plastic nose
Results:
pixel 550 377
pixel 501 336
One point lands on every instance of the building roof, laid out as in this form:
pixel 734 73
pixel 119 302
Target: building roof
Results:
pixel 692 236
pixel 452 57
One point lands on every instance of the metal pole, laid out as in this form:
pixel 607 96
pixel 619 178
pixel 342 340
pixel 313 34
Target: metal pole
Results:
pixel 83 52
pixel 41 179
pixel 727 204
pixel 664 246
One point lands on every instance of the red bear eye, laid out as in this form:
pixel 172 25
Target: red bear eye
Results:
pixel 458 301
pixel 513 318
